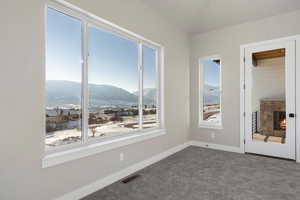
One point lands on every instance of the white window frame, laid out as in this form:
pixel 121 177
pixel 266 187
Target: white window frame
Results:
pixel 88 146
pixel 202 123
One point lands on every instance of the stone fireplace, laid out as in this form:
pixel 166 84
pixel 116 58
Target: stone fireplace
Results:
pixel 273 117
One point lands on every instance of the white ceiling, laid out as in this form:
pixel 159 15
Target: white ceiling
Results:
pixel 196 16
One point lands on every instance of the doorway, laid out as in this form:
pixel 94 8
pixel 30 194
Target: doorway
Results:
pixel 269 98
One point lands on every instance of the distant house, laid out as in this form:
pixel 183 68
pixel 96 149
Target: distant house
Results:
pixel 60 119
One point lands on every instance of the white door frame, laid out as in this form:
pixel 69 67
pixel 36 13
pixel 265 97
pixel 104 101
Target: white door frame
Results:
pixel 242 90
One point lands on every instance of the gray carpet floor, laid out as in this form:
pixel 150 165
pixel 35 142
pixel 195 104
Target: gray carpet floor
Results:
pixel 203 174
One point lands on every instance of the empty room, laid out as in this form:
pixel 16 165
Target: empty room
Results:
pixel 150 100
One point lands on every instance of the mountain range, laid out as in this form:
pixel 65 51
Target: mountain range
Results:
pixel 59 93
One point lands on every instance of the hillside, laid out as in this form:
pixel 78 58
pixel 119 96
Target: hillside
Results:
pixel 67 92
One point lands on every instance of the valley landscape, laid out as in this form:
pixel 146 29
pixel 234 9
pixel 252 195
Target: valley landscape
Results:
pixel 112 111
pixel 211 104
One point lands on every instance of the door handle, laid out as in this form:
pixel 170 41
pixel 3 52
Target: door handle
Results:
pixel 291 115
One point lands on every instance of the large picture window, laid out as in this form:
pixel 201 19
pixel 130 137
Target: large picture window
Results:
pixel 100 83
pixel 210 92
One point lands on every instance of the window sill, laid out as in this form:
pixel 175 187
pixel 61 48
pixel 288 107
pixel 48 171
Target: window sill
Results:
pixel 91 149
pixel 210 126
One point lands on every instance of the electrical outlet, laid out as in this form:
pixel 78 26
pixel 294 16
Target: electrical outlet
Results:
pixel 121 156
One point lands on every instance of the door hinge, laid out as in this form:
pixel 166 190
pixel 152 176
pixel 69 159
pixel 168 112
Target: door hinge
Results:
pixel 244 86
pixel 244 141
pixel 244 114
pixel 244 59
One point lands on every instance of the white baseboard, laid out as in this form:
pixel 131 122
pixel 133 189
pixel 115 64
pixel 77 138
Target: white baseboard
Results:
pixel 216 146
pixel 93 187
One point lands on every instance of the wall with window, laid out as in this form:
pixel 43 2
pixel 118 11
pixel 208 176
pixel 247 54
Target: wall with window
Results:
pixel 269 71
pixel 23 75
pixel 226 44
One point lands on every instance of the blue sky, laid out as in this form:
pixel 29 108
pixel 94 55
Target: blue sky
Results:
pixel 112 61
pixel 211 72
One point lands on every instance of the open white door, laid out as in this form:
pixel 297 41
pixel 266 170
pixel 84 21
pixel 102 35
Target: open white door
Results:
pixel 270 85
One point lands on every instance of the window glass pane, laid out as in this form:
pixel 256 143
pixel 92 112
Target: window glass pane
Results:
pixel 149 88
pixel 63 79
pixel 268 97
pixel 211 90
pixel 113 84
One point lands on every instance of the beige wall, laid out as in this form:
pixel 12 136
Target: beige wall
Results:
pixel 226 43
pixel 22 95
pixel 268 81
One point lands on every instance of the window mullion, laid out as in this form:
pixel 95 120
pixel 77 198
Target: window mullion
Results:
pixel 141 72
pixel 85 81
pixel 201 93
pixel 158 92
